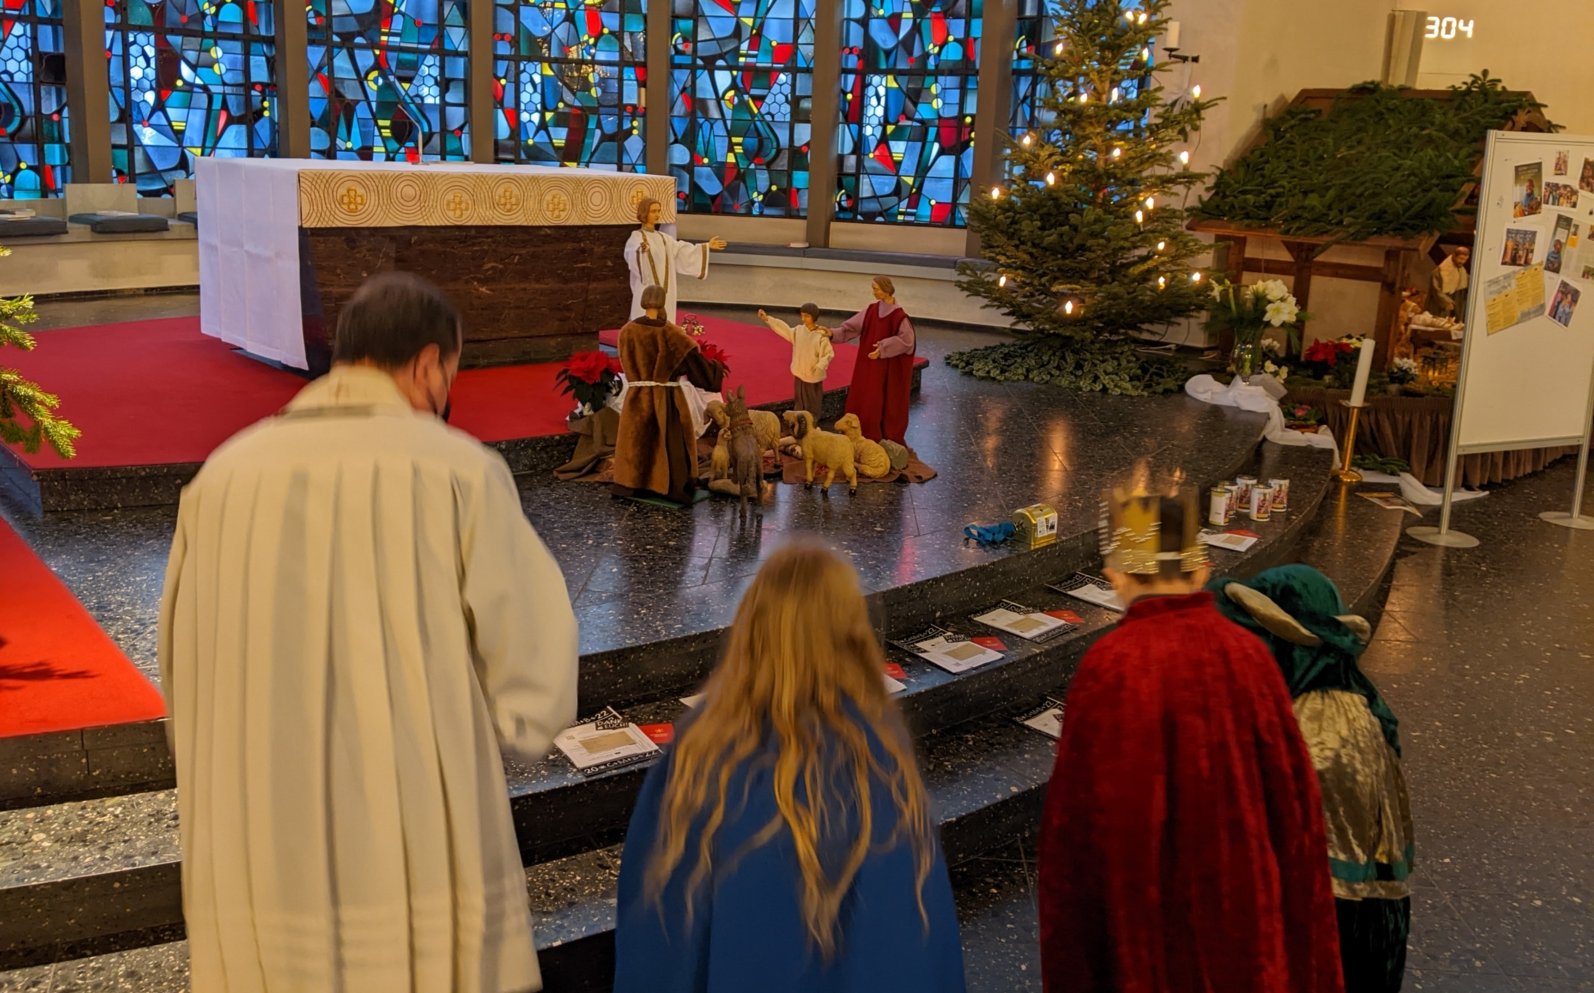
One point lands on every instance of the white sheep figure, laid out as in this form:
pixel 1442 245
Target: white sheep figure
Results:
pixel 833 451
pixel 871 460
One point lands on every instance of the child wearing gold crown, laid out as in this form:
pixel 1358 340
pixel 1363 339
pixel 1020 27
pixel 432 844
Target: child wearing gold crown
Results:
pixel 1182 845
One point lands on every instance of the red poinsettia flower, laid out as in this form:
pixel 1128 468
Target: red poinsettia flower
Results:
pixel 590 367
pixel 1324 353
pixel 713 353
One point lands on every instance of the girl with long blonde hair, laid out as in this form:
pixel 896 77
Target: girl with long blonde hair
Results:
pixel 785 841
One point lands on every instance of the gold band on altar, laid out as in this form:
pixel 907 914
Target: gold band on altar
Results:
pixel 437 196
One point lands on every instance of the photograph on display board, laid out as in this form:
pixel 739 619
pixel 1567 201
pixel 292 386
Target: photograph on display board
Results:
pixel 1519 247
pixel 1563 162
pixel 1560 239
pixel 1564 303
pixel 1585 182
pixel 1529 186
pixel 1560 195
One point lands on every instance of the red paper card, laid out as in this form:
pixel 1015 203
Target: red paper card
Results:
pixel 1066 616
pixel 988 641
pixel 1244 533
pixel 659 734
pixel 896 672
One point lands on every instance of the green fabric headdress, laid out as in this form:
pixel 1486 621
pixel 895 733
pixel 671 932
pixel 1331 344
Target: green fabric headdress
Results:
pixel 1299 614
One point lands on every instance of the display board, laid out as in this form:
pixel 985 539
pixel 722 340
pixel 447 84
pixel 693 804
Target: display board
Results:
pixel 1527 365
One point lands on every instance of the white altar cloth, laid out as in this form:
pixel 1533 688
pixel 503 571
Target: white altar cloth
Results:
pixel 251 212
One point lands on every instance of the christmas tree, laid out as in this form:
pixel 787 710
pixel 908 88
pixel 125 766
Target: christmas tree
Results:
pixel 27 413
pixel 1085 244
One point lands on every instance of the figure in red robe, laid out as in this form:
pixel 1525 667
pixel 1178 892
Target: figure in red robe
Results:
pixel 882 378
pixel 1182 846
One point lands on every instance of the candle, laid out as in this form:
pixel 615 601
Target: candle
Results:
pixel 1170 36
pixel 1364 365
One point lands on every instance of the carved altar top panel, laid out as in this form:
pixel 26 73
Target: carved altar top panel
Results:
pixel 457 194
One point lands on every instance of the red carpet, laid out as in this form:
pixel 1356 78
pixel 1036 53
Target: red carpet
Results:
pixel 159 392
pixel 58 670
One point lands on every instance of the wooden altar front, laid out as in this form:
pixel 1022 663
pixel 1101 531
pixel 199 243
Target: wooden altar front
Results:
pixel 532 256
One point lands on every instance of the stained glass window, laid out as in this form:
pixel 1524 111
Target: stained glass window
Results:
pixel 388 79
pixel 741 105
pixel 188 78
pixel 568 75
pixel 1034 30
pixel 909 77
pixel 33 117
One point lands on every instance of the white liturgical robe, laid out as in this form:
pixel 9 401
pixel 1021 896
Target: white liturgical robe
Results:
pixel 356 616
pixel 656 258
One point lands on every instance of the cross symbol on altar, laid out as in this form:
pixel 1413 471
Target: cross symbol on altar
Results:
pixel 352 200
pixel 557 206
pixel 456 205
pixel 508 200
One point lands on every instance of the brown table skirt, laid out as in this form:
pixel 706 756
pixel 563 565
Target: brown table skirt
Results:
pixel 1417 429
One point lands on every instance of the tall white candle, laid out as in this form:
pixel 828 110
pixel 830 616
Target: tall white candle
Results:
pixel 1364 366
pixel 1170 36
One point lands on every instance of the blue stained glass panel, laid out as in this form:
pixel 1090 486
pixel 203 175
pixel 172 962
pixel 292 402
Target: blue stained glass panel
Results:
pixel 34 155
pixel 388 79
pixel 569 79
pixel 188 78
pixel 909 81
pixel 741 105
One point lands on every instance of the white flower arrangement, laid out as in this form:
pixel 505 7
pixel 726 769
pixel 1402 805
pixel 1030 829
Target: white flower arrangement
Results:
pixel 1273 347
pixel 1276 370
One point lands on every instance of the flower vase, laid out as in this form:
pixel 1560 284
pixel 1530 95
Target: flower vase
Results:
pixel 1244 359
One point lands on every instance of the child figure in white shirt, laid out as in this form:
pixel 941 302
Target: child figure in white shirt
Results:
pixel 811 352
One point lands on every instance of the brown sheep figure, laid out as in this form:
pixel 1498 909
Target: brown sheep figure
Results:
pixel 833 451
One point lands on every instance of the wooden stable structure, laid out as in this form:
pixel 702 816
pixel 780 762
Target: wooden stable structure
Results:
pixel 1399 254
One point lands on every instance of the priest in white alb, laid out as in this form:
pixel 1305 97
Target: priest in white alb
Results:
pixel 656 258
pixel 357 620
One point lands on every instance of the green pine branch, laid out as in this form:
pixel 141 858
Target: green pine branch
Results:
pixel 27 412
pixel 1070 244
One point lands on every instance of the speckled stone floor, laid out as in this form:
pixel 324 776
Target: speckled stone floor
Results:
pixel 1487 657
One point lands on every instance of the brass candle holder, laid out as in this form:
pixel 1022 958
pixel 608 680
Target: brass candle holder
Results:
pixel 1345 473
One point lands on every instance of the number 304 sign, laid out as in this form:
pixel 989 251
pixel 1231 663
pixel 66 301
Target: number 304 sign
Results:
pixel 1449 28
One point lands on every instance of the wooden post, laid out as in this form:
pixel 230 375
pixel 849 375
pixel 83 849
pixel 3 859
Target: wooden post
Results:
pixel 1233 265
pixel 479 84
pixel 1302 254
pixel 88 91
pixel 993 106
pixel 1388 303
pixel 824 119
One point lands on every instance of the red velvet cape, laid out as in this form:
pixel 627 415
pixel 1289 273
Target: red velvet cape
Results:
pixel 881 388
pixel 1183 847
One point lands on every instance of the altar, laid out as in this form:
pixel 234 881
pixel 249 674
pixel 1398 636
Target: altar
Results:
pixel 531 255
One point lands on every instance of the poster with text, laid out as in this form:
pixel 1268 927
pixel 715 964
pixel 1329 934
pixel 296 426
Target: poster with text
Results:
pixel 1560 239
pixel 1513 297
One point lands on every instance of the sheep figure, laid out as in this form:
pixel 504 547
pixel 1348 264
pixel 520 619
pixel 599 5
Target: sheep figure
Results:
pixel 833 451
pixel 747 459
pixel 870 458
pixel 766 427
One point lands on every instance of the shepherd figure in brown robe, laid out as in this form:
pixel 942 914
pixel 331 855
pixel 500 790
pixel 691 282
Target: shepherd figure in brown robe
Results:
pixel 657 449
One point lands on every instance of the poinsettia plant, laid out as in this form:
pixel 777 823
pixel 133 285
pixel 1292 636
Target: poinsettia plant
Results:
pixel 591 377
pixel 716 357
pixel 1333 360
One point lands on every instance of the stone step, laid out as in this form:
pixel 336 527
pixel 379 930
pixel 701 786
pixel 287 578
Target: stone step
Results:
pixel 988 776
pixel 91 869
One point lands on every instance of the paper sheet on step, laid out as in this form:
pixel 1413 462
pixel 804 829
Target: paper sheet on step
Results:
pixel 1414 491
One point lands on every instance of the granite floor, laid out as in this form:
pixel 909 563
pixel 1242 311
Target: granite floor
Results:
pixel 638 573
pixel 1487 657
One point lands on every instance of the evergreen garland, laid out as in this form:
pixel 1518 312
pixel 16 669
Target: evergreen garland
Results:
pixel 27 413
pixel 1379 163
